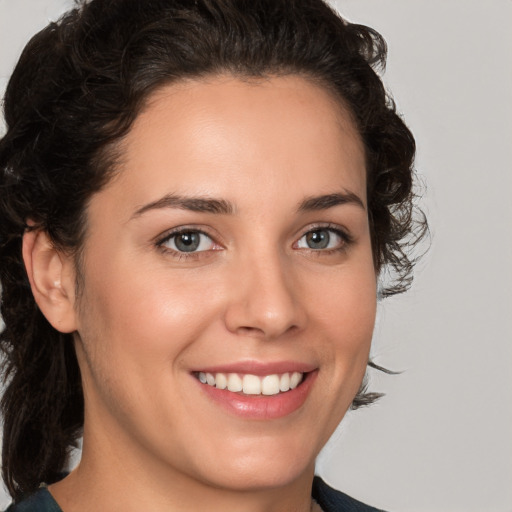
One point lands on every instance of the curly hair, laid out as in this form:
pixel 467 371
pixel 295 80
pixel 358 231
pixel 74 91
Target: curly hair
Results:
pixel 76 91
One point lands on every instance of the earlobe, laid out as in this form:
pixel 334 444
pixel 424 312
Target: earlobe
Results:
pixel 51 277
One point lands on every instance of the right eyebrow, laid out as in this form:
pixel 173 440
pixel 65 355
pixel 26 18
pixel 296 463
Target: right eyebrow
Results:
pixel 194 204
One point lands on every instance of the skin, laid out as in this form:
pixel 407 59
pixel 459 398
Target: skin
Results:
pixel 148 317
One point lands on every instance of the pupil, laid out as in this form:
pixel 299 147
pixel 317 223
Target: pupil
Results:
pixel 318 239
pixel 187 242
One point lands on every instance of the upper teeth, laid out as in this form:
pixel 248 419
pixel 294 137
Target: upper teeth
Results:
pixel 252 384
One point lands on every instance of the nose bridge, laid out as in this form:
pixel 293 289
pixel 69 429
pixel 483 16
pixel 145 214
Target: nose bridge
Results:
pixel 264 301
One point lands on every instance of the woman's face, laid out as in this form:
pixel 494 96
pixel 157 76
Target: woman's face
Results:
pixel 234 247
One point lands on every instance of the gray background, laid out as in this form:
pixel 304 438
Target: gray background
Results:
pixel 441 440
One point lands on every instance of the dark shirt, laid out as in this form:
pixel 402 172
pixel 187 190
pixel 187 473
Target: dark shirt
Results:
pixel 331 500
pixel 328 498
pixel 41 501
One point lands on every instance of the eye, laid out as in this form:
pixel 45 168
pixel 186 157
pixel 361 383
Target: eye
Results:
pixel 321 239
pixel 188 241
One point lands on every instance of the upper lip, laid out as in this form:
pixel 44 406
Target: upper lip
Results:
pixel 259 368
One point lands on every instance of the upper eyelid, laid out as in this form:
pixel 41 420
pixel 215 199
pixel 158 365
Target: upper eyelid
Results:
pixel 339 233
pixel 342 231
pixel 167 235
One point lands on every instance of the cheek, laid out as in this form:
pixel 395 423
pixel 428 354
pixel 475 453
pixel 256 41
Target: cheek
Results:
pixel 141 327
pixel 143 313
pixel 349 305
pixel 134 332
pixel 347 314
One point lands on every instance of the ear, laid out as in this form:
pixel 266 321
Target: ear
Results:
pixel 52 279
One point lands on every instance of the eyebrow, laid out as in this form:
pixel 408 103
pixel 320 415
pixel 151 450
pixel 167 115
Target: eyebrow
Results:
pixel 329 201
pixel 221 206
pixel 194 204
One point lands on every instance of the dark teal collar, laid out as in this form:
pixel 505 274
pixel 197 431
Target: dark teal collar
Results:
pixel 41 501
pixel 329 499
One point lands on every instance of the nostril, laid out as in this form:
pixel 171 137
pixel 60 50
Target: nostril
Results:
pixel 267 333
pixel 251 331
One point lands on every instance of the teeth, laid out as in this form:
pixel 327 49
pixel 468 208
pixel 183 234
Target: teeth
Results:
pixel 252 384
pixel 221 381
pixel 234 383
pixel 270 385
pixel 294 379
pixel 284 382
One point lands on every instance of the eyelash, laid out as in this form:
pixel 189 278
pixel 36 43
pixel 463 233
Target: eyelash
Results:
pixel 345 237
pixel 180 255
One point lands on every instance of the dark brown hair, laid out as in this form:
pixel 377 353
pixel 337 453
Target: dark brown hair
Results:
pixel 75 92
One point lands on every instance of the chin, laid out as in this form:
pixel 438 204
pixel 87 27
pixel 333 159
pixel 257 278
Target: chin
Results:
pixel 263 469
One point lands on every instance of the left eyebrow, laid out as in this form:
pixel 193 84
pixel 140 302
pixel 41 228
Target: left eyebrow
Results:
pixel 329 201
pixel 194 204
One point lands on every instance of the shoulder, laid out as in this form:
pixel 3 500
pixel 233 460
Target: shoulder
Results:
pixel 331 500
pixel 41 501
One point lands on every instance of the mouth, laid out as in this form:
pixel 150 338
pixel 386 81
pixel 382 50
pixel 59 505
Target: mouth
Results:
pixel 249 384
pixel 258 392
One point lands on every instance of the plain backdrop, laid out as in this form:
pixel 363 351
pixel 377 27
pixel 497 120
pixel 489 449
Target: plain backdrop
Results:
pixel 441 439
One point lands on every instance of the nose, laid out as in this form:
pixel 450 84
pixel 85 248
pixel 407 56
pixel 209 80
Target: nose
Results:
pixel 264 300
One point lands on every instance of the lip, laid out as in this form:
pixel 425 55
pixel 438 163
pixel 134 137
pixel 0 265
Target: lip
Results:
pixel 258 368
pixel 259 407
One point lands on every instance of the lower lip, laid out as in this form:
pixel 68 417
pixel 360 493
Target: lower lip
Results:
pixel 262 407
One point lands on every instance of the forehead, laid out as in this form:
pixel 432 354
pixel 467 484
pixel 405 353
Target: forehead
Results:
pixel 223 135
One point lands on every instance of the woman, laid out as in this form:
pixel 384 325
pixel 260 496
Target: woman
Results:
pixel 197 201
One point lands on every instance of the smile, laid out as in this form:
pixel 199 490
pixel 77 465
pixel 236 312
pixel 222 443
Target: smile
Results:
pixel 253 390
pixel 249 384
